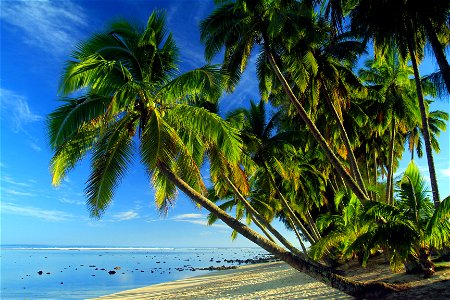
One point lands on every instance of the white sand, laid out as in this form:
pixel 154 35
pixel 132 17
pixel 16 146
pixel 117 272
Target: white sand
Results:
pixel 261 281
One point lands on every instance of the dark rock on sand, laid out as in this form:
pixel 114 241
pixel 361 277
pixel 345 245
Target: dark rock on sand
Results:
pixel 112 272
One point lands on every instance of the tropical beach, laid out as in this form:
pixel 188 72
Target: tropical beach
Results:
pixel 225 149
pixel 276 280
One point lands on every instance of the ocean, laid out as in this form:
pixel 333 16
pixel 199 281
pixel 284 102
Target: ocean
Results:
pixel 48 272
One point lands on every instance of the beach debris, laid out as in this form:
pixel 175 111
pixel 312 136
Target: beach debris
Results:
pixel 111 272
pixel 117 268
pixel 40 272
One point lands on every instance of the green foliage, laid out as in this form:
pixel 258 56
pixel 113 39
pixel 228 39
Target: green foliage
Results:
pixel 126 76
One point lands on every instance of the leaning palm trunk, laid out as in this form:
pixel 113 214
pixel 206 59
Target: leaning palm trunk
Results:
pixel 287 207
pixel 316 133
pixel 438 52
pixel 262 220
pixel 425 127
pixel 350 287
pixel 262 228
pixel 389 183
pixel 351 156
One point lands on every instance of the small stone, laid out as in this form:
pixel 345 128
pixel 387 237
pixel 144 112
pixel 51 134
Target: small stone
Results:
pixel 40 272
pixel 112 272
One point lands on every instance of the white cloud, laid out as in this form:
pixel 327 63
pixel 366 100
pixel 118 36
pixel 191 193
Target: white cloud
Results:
pixel 35 212
pixel 446 172
pixel 16 193
pixel 10 180
pixel 198 219
pixel 125 216
pixel 15 108
pixel 188 216
pixel 35 147
pixel 49 25
pixel 71 201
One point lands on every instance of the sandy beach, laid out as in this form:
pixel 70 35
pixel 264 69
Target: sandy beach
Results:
pixel 274 280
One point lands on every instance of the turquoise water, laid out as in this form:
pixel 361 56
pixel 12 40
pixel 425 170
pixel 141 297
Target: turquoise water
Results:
pixel 80 273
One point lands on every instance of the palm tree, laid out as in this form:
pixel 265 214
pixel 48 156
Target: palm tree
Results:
pixel 433 19
pixel 418 227
pixel 397 28
pixel 436 120
pixel 388 77
pixel 130 94
pixel 239 26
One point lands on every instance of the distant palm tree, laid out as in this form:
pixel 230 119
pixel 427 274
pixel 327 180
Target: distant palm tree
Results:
pixel 436 120
pixel 397 27
pixel 388 78
pixel 130 94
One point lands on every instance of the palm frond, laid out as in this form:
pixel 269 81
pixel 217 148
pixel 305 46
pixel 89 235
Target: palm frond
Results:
pixel 206 82
pixel 111 156
pixel 64 121
pixel 209 126
pixel 71 151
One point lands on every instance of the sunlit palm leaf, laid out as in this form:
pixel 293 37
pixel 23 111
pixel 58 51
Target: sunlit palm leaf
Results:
pixel 111 156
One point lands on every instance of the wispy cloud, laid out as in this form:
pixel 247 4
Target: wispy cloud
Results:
pixel 10 180
pixel 35 212
pixel 71 201
pixel 446 172
pixel 198 219
pixel 49 25
pixel 125 216
pixel 16 193
pixel 188 217
pixel 15 108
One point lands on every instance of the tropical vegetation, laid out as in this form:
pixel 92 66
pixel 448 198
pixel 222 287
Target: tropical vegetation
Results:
pixel 318 151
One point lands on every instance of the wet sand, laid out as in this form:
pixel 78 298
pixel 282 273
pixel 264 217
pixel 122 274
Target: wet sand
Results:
pixel 274 280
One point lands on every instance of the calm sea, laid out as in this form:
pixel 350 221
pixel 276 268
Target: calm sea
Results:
pixel 83 272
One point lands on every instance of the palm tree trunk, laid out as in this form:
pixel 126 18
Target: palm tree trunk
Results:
pixel 438 50
pixel 375 178
pixel 351 156
pixel 261 219
pixel 322 273
pixel 389 185
pixel 297 234
pixel 312 225
pixel 316 133
pixel 288 208
pixel 425 127
pixel 261 227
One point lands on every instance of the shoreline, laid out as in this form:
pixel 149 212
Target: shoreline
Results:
pixel 269 280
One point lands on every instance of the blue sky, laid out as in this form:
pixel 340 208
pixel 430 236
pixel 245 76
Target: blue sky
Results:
pixel 36 38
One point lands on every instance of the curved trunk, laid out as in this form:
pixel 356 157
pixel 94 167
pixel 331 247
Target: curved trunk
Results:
pixel 316 133
pixel 389 183
pixel 261 219
pixel 439 53
pixel 351 156
pixel 297 234
pixel 375 178
pixel 288 208
pixel 425 127
pixel 261 227
pixel 322 273
pixel 312 225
